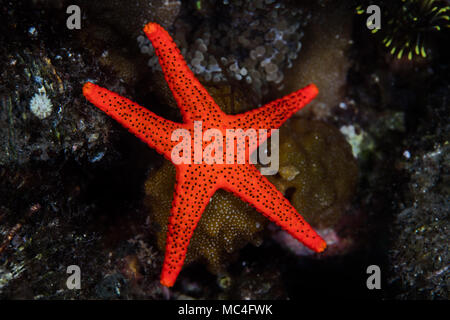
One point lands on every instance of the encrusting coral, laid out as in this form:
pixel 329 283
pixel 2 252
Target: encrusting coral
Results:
pixel 227 224
pixel 318 172
pixel 324 58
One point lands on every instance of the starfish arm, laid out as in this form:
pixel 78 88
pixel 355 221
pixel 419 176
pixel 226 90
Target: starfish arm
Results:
pixel 275 113
pixel 191 197
pixel 255 189
pixel 192 98
pixel 147 126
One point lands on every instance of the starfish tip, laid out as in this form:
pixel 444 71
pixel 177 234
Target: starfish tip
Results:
pixel 312 88
pixel 151 27
pixel 87 88
pixel 166 282
pixel 321 246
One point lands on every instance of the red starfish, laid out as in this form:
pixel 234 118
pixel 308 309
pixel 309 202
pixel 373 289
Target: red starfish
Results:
pixel 196 183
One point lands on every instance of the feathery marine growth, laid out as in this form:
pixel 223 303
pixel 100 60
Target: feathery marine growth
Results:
pixel 196 183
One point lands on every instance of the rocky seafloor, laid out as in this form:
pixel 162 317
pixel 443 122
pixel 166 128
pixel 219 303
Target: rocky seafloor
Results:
pixel 366 163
